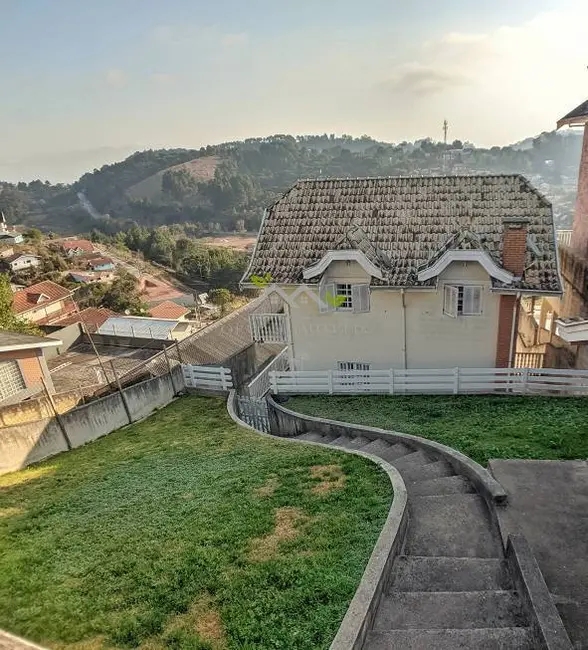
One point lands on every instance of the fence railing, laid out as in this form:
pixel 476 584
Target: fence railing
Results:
pixel 269 328
pixel 564 237
pixel 254 412
pixel 260 385
pixel 456 381
pixel 529 360
pixel 207 377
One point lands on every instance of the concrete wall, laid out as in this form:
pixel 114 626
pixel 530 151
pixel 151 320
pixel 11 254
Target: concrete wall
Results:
pixel 243 365
pixel 128 341
pixel 433 340
pixel 28 443
pixel 69 336
pixel 31 410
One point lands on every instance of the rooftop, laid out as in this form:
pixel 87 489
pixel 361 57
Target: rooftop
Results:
pixel 400 224
pixel 36 294
pixel 93 317
pixel 150 328
pixel 577 117
pixel 168 309
pixel 73 244
pixel 11 341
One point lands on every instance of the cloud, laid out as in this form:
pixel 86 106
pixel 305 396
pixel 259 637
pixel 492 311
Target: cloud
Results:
pixel 421 80
pixel 233 40
pixel 115 77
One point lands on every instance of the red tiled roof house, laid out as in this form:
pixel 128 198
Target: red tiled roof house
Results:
pixel 43 303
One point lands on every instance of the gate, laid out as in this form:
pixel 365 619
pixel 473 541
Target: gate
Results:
pixel 254 412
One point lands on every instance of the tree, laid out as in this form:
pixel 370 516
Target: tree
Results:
pixel 33 235
pixel 123 295
pixel 13 203
pixel 221 297
pixel 178 184
pixel 8 319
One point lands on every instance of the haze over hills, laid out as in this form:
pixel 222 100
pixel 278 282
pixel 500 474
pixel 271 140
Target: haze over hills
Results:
pixel 226 187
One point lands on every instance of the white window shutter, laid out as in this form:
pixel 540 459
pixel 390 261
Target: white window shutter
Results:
pixel 450 297
pixel 327 297
pixel 472 301
pixel 360 296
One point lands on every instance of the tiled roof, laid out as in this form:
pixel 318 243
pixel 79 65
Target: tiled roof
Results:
pixel 17 256
pixel 402 223
pixel 73 244
pixel 168 309
pixel 30 297
pixel 93 317
pixel 578 116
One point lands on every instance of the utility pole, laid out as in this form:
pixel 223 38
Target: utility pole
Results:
pixel 445 128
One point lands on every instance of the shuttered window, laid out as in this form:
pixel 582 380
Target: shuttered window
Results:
pixel 450 295
pixel 462 300
pixel 344 297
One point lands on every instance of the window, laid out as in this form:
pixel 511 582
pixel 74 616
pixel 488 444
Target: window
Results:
pixel 11 380
pixel 344 297
pixel 462 300
pixel 355 370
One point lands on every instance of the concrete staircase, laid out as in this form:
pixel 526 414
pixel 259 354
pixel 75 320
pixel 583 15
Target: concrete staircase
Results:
pixel 451 588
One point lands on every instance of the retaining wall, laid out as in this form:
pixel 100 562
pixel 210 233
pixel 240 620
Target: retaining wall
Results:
pixel 31 442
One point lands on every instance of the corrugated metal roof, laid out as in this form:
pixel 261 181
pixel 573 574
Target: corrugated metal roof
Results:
pixel 148 328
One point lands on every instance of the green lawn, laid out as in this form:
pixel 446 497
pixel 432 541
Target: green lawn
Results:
pixel 187 532
pixel 482 427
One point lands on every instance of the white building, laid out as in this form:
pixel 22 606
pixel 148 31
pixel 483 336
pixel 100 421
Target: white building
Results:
pixel 22 261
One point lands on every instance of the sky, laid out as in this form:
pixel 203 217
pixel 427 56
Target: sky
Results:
pixel 86 83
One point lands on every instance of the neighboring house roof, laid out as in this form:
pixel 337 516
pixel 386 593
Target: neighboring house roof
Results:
pixel 402 224
pixel 576 117
pixel 93 317
pixel 149 328
pixel 99 261
pixel 77 244
pixel 12 341
pixel 168 309
pixel 37 294
pixel 17 256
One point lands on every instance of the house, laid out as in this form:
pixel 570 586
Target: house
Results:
pixel 22 364
pixel 169 310
pixel 146 328
pixel 43 303
pixel 101 264
pixel 90 318
pixel 74 247
pixel 21 261
pixel 420 272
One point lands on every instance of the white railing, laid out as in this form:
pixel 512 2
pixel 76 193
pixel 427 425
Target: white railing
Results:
pixel 564 237
pixel 529 359
pixel 270 328
pixel 207 377
pixel 259 386
pixel 455 381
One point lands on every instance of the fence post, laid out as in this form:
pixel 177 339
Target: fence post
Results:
pixel 179 353
pixel 273 382
pixel 525 380
pixel 57 416
pixel 391 381
pixel 456 381
pixel 169 367
pixel 223 378
pixel 330 378
pixel 122 395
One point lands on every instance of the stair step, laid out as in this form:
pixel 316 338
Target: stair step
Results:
pixel 445 485
pixel 341 441
pixel 327 440
pixel 356 442
pixel 410 461
pixel 312 436
pixel 396 451
pixel 452 525
pixel 376 446
pixel 506 638
pixel 437 469
pixel 425 610
pixel 413 573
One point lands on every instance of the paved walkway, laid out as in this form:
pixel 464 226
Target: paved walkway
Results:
pixel 548 503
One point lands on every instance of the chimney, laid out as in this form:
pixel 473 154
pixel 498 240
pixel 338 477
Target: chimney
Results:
pixel 514 246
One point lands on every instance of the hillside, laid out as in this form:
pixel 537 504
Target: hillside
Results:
pixel 150 189
pixel 226 187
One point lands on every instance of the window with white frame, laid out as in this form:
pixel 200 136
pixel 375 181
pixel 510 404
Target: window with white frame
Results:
pixel 358 372
pixel 344 297
pixel 462 300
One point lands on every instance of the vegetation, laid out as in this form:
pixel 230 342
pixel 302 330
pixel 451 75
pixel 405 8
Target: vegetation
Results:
pixel 482 427
pixel 121 296
pixel 187 532
pixel 8 319
pixel 251 174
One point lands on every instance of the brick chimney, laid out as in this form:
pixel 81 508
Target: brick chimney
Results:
pixel 514 252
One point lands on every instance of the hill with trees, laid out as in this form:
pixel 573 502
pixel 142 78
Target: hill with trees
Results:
pixel 226 187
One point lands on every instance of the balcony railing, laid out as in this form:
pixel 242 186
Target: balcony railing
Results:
pixel 564 237
pixel 270 328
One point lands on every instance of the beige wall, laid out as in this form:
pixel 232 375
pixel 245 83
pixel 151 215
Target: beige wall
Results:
pixel 433 340
pixel 42 311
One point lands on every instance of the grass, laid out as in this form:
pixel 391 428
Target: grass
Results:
pixel 187 532
pixel 481 427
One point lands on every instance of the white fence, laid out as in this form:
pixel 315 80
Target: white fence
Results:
pixel 456 381
pixel 259 386
pixel 270 328
pixel 254 412
pixel 207 377
pixel 564 237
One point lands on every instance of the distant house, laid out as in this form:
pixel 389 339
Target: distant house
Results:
pixel 146 328
pixel 101 264
pixel 73 247
pixel 21 261
pixel 43 303
pixel 8 236
pixel 170 311
pixel 418 273
pixel 22 364
pixel 90 318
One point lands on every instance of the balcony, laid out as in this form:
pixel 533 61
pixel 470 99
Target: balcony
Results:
pixel 270 328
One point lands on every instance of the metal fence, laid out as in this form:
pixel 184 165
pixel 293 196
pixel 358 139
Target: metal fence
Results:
pixel 254 412
pixel 260 385
pixel 456 381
